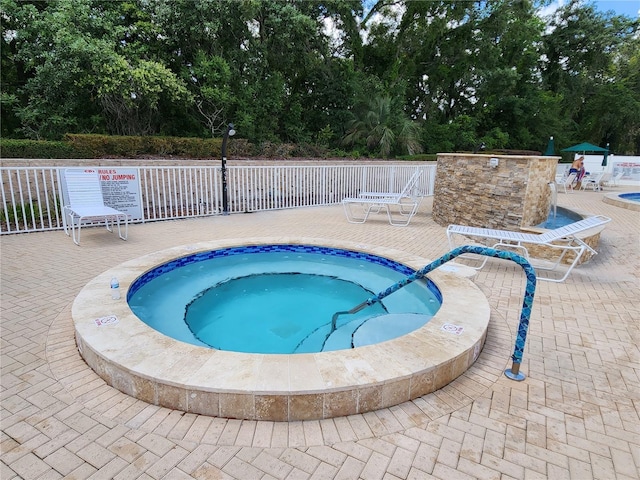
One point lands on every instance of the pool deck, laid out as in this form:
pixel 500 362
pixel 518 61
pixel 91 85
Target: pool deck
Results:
pixel 575 416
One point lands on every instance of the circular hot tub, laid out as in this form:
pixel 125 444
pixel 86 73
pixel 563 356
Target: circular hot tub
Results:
pixel 282 298
pixel 151 366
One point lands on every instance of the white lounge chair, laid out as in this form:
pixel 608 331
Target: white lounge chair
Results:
pixel 567 182
pixel 594 181
pixel 605 180
pixel 86 204
pixel 406 201
pixel 564 239
pixel 614 181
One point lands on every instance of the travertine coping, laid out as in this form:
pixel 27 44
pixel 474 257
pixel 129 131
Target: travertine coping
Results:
pixel 618 201
pixel 143 363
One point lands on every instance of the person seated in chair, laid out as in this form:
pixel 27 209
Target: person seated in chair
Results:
pixel 577 164
pixel 577 167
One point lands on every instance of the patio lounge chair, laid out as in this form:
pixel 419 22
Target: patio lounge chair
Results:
pixel 614 181
pixel 567 182
pixel 406 201
pixel 86 204
pixel 594 181
pixel 564 239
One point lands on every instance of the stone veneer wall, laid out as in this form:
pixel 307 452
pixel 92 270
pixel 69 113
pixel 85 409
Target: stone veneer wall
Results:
pixel 591 238
pixel 468 191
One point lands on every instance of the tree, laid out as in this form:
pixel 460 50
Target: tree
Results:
pixel 315 71
pixel 587 55
pixel 77 76
pixel 131 95
pixel 210 77
pixel 383 129
pixel 507 71
pixel 55 62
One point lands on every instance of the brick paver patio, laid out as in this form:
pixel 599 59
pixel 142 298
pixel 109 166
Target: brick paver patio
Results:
pixel 576 416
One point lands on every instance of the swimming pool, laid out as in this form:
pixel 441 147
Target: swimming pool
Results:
pixel 279 298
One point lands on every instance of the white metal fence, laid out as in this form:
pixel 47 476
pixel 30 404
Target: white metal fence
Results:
pixel 31 196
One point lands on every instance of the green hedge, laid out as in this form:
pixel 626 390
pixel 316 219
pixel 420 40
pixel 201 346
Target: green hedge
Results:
pixel 422 157
pixel 12 148
pixel 101 146
pixel 112 146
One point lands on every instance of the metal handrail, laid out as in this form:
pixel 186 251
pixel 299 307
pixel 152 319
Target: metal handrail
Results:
pixel 512 373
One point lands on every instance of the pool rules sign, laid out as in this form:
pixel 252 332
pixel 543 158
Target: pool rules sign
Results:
pixel 120 190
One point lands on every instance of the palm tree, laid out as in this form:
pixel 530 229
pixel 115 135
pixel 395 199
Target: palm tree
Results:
pixel 381 129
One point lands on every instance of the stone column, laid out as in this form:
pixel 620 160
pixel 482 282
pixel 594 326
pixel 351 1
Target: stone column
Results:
pixel 493 191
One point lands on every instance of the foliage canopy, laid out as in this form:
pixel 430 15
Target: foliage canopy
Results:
pixel 383 77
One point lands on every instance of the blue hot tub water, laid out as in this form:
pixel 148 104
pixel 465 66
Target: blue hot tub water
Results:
pixel 280 299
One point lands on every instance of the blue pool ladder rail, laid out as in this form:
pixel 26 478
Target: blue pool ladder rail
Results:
pixel 514 372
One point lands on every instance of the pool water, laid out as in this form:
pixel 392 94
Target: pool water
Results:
pixel 274 312
pixel 280 300
pixel 633 196
pixel 562 218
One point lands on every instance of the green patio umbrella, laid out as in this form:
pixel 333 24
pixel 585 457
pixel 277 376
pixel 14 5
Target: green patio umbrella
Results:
pixel 551 148
pixel 585 147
